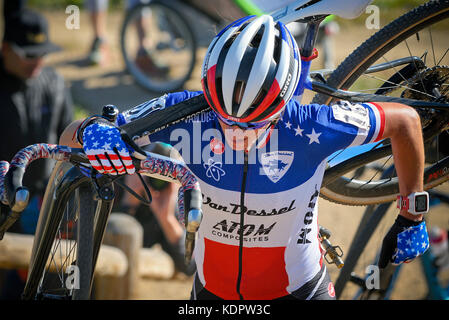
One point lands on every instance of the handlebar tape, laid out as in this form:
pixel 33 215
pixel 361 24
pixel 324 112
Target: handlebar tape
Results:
pixel 13 186
pixel 192 200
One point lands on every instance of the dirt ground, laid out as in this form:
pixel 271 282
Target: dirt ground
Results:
pixel 92 87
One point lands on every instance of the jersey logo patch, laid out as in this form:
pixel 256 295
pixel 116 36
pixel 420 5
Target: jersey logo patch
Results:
pixel 214 170
pixel 275 164
pixel 217 146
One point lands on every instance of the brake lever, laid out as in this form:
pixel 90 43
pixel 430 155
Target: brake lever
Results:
pixel 103 187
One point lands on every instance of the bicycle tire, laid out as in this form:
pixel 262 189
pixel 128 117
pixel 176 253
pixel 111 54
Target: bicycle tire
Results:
pixel 354 192
pixel 65 187
pixel 154 82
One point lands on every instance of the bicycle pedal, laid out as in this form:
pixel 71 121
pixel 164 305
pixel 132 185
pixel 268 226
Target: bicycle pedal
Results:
pixel 334 252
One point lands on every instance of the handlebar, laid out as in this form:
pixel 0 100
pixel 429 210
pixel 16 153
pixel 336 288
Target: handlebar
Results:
pixel 16 196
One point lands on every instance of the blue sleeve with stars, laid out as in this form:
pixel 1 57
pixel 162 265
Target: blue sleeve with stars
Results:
pixel 333 127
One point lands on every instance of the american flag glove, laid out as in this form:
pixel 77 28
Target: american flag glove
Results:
pixel 411 243
pixel 106 150
pixel 405 241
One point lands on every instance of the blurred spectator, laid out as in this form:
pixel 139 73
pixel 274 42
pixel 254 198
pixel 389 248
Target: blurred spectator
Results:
pixel 36 106
pixel 100 51
pixel 159 222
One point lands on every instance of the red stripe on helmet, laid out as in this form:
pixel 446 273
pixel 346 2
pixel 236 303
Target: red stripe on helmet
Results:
pixel 213 91
pixel 267 101
pixel 276 110
pixel 205 94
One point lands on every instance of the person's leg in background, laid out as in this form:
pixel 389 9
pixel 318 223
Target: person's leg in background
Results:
pixel 328 30
pixel 144 60
pixel 99 51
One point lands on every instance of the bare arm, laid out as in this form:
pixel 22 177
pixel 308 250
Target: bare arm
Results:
pixel 68 136
pixel 403 127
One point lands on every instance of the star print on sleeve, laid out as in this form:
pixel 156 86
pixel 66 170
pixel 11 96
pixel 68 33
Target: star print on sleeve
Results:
pixel 313 136
pixel 298 131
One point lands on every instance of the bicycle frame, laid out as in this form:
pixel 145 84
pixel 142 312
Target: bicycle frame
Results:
pixel 52 215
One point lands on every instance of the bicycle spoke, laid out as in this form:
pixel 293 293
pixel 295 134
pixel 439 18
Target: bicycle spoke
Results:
pixel 61 256
pixel 444 55
pixel 416 67
pixel 397 71
pixel 432 46
pixel 397 85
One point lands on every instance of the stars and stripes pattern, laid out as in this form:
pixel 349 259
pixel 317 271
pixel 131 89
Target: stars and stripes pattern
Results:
pixel 106 150
pixel 4 167
pixel 27 155
pixel 411 243
pixel 176 171
pixel 40 151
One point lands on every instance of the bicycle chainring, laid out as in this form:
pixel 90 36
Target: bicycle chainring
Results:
pixel 421 86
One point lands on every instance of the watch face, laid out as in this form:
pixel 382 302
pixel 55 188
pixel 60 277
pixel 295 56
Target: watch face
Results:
pixel 421 203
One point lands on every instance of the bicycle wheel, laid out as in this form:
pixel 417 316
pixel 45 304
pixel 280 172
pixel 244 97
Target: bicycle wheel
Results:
pixel 412 35
pixel 62 259
pixel 158 46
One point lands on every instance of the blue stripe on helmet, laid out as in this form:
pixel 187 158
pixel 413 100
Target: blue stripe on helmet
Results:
pixel 287 36
pixel 236 23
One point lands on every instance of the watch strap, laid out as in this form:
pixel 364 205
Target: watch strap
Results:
pixel 402 203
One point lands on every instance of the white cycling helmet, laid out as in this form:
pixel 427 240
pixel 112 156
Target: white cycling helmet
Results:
pixel 251 70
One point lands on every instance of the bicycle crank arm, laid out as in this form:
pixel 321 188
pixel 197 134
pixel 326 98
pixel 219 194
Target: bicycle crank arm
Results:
pixel 365 97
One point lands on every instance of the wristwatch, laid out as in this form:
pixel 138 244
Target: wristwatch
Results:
pixel 415 203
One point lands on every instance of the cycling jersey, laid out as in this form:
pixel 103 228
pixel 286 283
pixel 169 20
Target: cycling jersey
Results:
pixel 259 235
